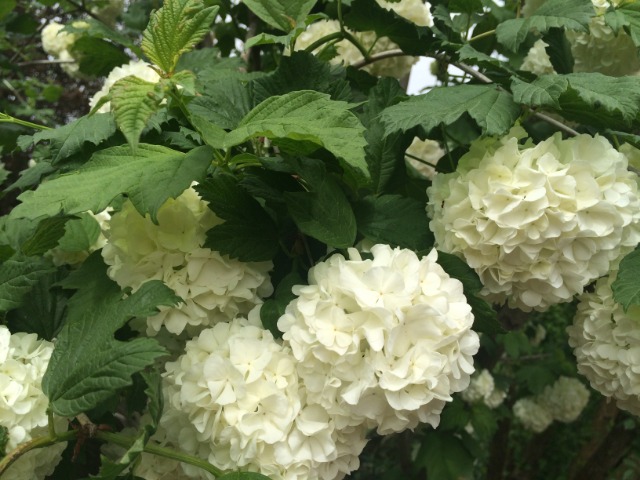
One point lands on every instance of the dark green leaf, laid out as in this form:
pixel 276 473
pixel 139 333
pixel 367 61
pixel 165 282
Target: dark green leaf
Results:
pixel 46 236
pixel 457 268
pixel 492 108
pixel 627 15
pixel 149 177
pixel 88 365
pixel 536 377
pixel 224 103
pixel 175 29
pixel 97 57
pixel 485 318
pixel 626 287
pixel 445 456
pixel 281 14
pixel 395 220
pixel 248 232
pixel 18 275
pixel 79 234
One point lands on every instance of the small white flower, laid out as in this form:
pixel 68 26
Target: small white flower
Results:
pixel 537 60
pixel 532 415
pixel 565 399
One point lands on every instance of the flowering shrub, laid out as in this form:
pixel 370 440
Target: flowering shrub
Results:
pixel 237 244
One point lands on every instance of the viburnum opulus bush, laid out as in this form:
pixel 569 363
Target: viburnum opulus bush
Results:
pixel 249 253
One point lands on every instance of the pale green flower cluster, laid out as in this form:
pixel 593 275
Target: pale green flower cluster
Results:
pixel 606 344
pixel 537 222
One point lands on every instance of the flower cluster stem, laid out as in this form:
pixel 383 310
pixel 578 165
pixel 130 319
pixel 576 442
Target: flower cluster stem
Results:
pixel 38 442
pixel 4 118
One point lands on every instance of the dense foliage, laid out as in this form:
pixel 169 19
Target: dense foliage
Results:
pixel 232 246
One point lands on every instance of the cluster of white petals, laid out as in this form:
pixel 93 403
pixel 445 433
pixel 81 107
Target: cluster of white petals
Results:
pixel 347 54
pixel 213 287
pixel 383 341
pixel 565 399
pixel 136 68
pixel 602 50
pixel 428 151
pixel 532 415
pixel 482 389
pixel 234 398
pixel 606 344
pixel 537 60
pixel 537 222
pixel 23 405
pixel 58 43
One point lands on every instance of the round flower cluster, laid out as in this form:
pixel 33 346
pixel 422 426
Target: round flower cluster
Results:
pixel 23 404
pixel 137 68
pixel 532 415
pixel 58 43
pixel 428 151
pixel 562 401
pixel 537 222
pixel 213 287
pixel 482 388
pixel 234 398
pixel 606 344
pixel 383 341
pixel 537 60
pixel 347 54
pixel 565 399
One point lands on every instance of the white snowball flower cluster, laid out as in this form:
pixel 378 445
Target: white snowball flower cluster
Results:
pixel 606 344
pixel 234 398
pixel 532 415
pixel 382 341
pixel 428 151
pixel 214 287
pixel 58 43
pixel 562 401
pixel 137 68
pixel 413 10
pixel 537 60
pixel 565 399
pixel 537 222
pixel 23 405
pixel 482 388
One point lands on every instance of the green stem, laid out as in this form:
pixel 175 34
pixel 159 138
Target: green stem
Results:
pixel 126 442
pixel 38 442
pixel 323 40
pixel 357 44
pixel 9 119
pixel 482 35
pixel 50 425
pixel 418 159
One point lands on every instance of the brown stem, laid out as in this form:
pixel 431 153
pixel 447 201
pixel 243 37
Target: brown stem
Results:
pixel 253 55
pixel 499 450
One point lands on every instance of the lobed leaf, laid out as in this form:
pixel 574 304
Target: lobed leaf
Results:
pixel 626 288
pixel 175 29
pixel 149 177
pixel 18 275
pixel 281 14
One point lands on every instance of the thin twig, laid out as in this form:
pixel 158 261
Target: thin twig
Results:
pixel 379 56
pixel 44 62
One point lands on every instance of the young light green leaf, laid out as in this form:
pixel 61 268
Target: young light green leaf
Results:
pixel 307 116
pixel 69 139
pixel 492 108
pixel 281 14
pixel 626 288
pixel 88 365
pixel 175 29
pixel 18 275
pixel 591 98
pixel 571 14
pixel 133 102
pixel 248 232
pixel 149 178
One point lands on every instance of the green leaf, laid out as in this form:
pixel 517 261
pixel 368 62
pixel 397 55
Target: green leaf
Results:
pixel 307 116
pixel 149 178
pixel 98 29
pixel 175 29
pixel 88 365
pixel 274 308
pixel 4 440
pixel 69 139
pixel 224 103
pixel 457 268
pixel 47 235
pixel 590 98
pixel 18 275
pixel 445 456
pixel 281 14
pixel 44 313
pixel 492 108
pixel 79 234
pixel 248 232
pixel 626 288
pixel 133 102
pixel 626 16
pixel 323 212
pixel 384 153
pixel 97 57
pixel 485 318
pixel 570 14
pixel 536 377
pixel 302 71
pixel 395 220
